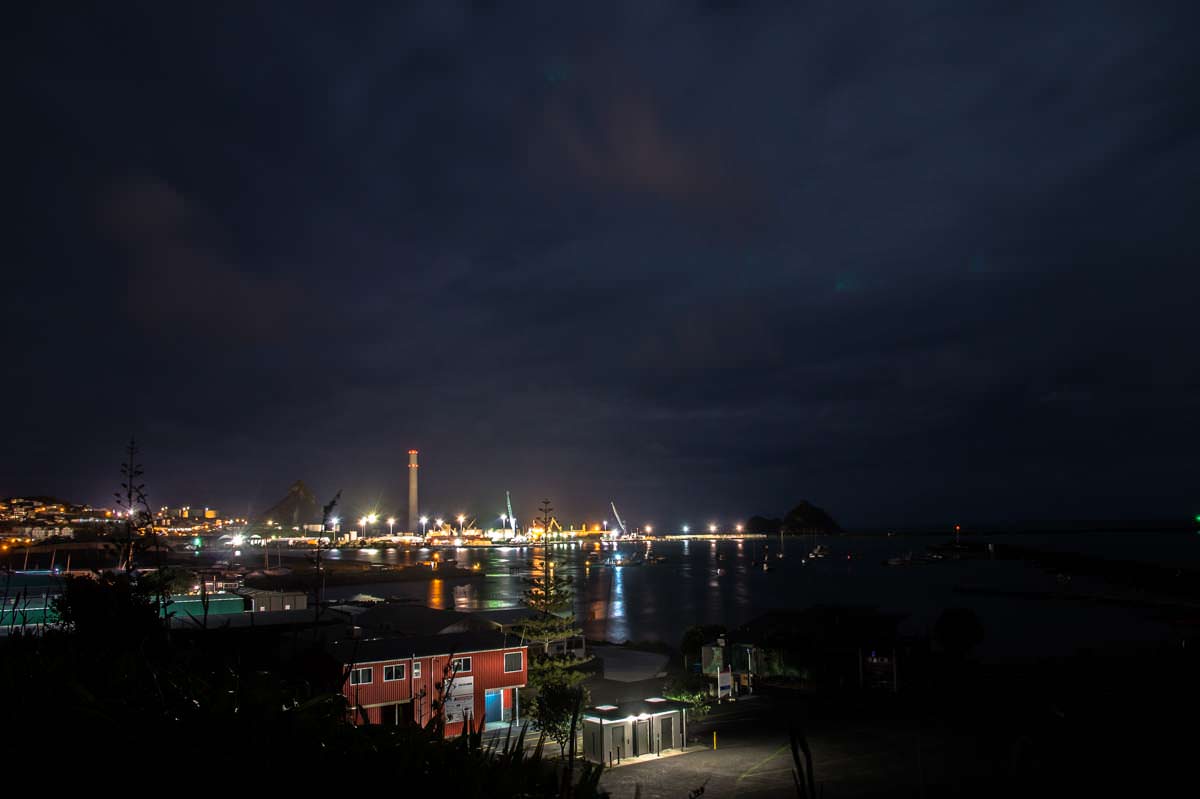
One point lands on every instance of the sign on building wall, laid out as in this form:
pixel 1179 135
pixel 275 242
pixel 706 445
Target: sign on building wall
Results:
pixel 460 700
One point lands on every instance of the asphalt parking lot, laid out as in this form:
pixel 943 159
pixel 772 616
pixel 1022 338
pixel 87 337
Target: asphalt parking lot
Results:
pixel 851 759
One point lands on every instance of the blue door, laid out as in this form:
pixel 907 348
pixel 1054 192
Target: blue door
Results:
pixel 492 710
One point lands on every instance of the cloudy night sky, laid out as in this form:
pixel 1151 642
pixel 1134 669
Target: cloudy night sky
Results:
pixel 916 262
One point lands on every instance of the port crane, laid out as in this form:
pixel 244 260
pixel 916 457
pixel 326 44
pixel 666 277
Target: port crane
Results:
pixel 620 523
pixel 512 520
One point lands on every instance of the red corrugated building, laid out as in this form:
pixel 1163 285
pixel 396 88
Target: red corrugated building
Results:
pixel 474 675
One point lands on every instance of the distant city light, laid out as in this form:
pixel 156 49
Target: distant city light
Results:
pixel 712 528
pixel 685 528
pixel 738 528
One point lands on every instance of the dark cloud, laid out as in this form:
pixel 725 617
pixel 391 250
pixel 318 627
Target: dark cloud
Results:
pixel 178 280
pixel 914 262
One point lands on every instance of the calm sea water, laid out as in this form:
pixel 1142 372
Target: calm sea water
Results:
pixel 658 601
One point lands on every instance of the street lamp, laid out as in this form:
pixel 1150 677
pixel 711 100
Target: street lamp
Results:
pixel 391 524
pixel 438 524
pixel 685 528
pixel 362 526
pixel 424 521
pixel 461 519
pixel 712 528
pixel 649 529
pixel 738 528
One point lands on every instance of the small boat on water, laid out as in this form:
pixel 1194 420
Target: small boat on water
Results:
pixel 819 551
pixel 656 558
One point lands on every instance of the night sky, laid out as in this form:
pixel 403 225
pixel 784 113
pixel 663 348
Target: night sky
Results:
pixel 915 262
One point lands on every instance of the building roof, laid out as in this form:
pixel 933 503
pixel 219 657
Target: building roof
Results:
pixel 399 619
pixel 632 709
pixel 256 592
pixel 262 619
pixel 506 617
pixel 375 650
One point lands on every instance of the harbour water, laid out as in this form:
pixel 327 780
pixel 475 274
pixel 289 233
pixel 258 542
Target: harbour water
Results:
pixel 722 582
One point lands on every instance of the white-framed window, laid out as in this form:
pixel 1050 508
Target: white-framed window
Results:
pixel 393 673
pixel 416 669
pixel 362 676
pixel 460 665
pixel 513 661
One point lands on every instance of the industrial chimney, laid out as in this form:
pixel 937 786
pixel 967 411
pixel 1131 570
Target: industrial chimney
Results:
pixel 412 492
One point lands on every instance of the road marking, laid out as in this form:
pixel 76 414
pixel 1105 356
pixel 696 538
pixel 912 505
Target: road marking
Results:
pixel 782 748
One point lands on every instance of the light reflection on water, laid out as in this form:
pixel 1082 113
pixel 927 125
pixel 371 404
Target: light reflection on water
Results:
pixel 436 597
pixel 659 601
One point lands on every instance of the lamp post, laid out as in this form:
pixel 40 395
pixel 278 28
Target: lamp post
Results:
pixel 461 519
pixel 424 521
pixel 712 528
pixel 738 528
pixel 391 524
pixel 685 528
pixel 362 526
pixel 438 524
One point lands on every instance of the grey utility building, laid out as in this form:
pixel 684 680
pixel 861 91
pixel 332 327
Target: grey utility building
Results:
pixel 612 733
